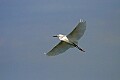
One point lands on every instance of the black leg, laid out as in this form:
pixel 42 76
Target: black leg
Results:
pixel 75 45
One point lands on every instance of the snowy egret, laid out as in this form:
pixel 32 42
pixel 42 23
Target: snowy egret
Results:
pixel 69 41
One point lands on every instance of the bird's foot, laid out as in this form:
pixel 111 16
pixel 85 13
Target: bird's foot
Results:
pixel 82 50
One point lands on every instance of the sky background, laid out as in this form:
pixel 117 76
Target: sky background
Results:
pixel 26 30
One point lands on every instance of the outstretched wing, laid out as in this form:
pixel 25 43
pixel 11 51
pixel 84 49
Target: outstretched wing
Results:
pixel 78 32
pixel 60 48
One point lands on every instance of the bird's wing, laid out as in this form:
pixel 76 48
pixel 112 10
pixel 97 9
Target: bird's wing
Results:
pixel 59 48
pixel 78 32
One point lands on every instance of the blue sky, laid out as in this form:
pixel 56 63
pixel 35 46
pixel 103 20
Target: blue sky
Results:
pixel 26 30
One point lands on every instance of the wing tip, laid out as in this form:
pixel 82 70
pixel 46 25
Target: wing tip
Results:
pixel 45 53
pixel 48 54
pixel 82 20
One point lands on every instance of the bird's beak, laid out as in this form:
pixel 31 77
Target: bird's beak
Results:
pixel 54 36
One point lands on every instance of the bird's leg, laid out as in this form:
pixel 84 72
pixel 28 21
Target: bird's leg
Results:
pixel 75 45
pixel 80 49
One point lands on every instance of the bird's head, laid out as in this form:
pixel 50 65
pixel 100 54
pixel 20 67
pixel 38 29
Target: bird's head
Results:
pixel 59 36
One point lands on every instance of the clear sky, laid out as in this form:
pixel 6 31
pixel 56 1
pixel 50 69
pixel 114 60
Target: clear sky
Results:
pixel 26 30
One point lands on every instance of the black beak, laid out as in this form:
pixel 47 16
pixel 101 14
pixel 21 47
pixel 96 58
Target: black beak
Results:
pixel 54 36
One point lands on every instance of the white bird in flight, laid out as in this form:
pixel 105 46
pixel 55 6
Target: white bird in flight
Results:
pixel 69 41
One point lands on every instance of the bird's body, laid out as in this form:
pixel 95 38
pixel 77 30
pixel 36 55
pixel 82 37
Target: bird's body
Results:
pixel 63 38
pixel 69 41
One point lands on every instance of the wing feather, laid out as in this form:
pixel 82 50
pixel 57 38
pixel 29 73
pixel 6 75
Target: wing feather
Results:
pixel 59 48
pixel 78 32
